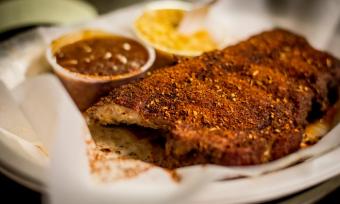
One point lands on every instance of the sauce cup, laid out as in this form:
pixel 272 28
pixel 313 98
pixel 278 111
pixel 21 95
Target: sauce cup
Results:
pixel 85 88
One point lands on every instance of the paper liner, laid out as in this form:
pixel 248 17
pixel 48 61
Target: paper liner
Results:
pixel 63 131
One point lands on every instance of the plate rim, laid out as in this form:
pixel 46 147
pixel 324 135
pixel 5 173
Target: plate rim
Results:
pixel 41 187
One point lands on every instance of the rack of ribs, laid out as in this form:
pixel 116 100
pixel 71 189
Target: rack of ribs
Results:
pixel 246 104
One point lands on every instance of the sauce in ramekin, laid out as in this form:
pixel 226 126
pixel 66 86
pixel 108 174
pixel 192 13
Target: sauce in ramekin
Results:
pixel 103 56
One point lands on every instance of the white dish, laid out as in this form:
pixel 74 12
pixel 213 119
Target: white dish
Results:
pixel 256 189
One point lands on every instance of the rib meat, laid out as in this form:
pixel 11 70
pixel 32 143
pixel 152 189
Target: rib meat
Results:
pixel 246 104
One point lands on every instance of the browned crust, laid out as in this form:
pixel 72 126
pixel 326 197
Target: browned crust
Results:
pixel 231 147
pixel 216 104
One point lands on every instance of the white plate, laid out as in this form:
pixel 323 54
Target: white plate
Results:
pixel 22 57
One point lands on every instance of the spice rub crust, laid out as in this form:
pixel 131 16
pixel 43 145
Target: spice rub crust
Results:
pixel 246 104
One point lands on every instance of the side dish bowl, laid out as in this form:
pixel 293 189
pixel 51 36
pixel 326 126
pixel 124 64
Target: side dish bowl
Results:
pixel 84 88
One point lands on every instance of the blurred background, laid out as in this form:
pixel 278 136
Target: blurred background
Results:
pixel 17 16
pixel 316 18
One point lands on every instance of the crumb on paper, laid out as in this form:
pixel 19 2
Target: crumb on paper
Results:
pixel 42 149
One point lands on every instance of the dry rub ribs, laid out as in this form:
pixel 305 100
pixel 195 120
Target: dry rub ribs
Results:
pixel 246 104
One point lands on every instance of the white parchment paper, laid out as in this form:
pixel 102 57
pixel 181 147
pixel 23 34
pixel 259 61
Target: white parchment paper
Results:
pixel 62 130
